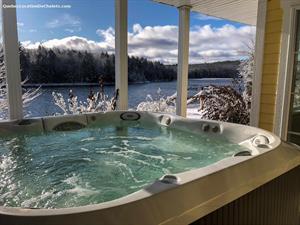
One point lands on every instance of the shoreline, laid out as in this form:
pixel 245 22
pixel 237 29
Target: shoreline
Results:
pixel 73 84
pixel 109 84
pixel 64 85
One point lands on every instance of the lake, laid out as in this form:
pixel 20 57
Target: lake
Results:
pixel 44 104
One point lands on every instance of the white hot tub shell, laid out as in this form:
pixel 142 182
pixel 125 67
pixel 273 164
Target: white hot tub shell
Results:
pixel 173 199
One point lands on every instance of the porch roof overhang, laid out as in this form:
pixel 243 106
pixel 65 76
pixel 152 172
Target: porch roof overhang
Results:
pixel 242 11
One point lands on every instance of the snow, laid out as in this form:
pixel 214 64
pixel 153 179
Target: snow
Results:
pixel 193 112
pixel 28 95
pixel 96 103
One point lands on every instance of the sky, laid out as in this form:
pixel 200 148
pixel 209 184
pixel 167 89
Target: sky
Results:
pixel 152 30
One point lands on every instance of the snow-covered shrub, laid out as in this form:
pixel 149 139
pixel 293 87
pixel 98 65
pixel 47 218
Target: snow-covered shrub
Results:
pixel 95 103
pixel 28 95
pixel 158 104
pixel 246 73
pixel 223 104
pixel 213 103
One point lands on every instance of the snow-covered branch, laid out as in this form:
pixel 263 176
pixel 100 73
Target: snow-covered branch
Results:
pixel 223 104
pixel 28 95
pixel 246 73
pixel 158 104
pixel 96 102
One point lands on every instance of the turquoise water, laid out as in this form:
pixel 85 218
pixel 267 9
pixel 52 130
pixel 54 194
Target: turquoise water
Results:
pixel 98 164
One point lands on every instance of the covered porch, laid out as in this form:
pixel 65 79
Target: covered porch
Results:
pixel 246 12
pixel 246 185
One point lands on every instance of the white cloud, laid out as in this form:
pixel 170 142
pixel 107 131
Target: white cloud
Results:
pixel 108 36
pixel 70 23
pixel 32 30
pixel 20 24
pixel 28 44
pixel 73 42
pixel 207 44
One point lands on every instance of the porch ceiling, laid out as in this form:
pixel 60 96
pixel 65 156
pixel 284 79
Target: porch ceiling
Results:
pixel 243 11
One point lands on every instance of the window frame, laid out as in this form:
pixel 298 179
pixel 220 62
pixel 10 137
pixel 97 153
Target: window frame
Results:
pixel 286 68
pixel 296 55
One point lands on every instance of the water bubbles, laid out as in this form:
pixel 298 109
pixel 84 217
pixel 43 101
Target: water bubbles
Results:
pixel 98 164
pixel 126 143
pixel 84 149
pixel 88 139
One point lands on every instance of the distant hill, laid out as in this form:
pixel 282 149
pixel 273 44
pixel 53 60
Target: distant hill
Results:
pixel 224 69
pixel 44 66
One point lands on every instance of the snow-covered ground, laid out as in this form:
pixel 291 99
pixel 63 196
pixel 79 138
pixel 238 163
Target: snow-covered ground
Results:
pixel 193 113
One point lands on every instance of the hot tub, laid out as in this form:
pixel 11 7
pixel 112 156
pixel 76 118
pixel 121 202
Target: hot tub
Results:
pixel 131 168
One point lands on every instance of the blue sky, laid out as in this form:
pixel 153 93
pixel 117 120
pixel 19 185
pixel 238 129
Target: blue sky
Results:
pixel 91 20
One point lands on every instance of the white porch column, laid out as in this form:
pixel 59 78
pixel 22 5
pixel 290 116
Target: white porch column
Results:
pixel 12 60
pixel 121 60
pixel 258 62
pixel 183 60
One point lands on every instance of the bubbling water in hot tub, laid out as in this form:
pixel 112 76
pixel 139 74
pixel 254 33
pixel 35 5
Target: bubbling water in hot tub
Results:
pixel 99 163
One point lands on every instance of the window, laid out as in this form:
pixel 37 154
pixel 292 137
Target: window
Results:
pixel 294 117
pixel 66 49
